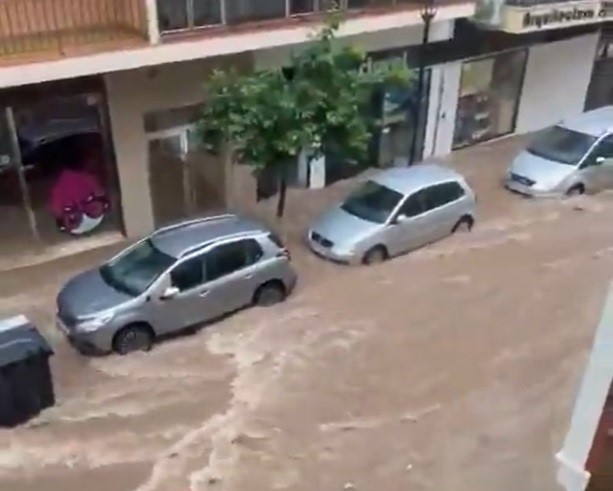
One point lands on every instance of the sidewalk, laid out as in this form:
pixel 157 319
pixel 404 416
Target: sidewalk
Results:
pixel 483 165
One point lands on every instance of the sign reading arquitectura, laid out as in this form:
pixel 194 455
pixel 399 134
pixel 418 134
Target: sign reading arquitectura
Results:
pixel 515 16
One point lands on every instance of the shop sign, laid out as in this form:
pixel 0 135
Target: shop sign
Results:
pixel 520 19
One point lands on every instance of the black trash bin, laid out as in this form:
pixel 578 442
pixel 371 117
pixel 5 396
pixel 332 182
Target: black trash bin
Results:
pixel 26 384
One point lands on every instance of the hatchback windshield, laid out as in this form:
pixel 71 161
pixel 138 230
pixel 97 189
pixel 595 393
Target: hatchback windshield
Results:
pixel 562 145
pixel 372 202
pixel 134 271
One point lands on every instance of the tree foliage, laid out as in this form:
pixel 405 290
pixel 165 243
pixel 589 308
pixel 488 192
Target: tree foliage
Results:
pixel 319 102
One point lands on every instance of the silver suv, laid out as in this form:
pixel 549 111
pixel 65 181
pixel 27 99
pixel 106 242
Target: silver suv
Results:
pixel 177 278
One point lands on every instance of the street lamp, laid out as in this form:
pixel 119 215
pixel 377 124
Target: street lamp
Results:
pixel 427 12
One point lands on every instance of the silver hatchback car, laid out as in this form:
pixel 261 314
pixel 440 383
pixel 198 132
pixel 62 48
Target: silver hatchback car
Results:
pixel 396 211
pixel 178 277
pixel 573 157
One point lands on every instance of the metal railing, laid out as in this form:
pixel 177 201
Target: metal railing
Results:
pixel 185 15
pixel 536 3
pixel 33 26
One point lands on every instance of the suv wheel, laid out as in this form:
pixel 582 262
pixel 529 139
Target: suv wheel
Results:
pixel 269 294
pixel 137 337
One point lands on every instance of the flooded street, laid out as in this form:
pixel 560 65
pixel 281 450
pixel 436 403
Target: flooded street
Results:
pixel 454 367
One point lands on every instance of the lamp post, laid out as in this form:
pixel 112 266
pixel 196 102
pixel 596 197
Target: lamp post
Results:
pixel 427 13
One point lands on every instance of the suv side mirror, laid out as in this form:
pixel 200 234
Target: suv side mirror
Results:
pixel 170 292
pixel 599 160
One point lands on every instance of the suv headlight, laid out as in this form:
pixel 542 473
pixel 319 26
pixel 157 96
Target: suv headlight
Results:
pixel 93 323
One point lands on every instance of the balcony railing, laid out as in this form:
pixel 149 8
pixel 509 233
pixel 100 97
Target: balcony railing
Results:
pixel 535 3
pixel 63 27
pixel 186 15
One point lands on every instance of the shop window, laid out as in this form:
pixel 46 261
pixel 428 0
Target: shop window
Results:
pixel 175 15
pixel 175 117
pixel 307 6
pixel 57 176
pixel 358 4
pixel 488 99
pixel 253 10
pixel 398 123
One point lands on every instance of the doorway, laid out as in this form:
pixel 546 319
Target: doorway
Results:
pixel 398 123
pixel 57 173
pixel 185 180
pixel 600 89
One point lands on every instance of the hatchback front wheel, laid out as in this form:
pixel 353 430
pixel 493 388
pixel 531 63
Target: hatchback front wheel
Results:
pixel 376 255
pixel 132 338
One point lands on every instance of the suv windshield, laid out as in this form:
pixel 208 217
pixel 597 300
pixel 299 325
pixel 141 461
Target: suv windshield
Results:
pixel 372 202
pixel 562 145
pixel 134 271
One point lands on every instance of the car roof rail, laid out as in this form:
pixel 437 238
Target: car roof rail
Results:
pixel 245 233
pixel 195 221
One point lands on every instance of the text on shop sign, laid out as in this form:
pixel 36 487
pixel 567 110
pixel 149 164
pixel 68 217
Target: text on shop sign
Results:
pixel 561 16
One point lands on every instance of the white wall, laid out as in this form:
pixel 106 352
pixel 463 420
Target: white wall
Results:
pixel 444 92
pixel 589 405
pixel 130 95
pixel 375 41
pixel 556 82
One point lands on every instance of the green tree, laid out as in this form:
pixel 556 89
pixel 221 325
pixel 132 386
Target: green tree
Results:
pixel 318 103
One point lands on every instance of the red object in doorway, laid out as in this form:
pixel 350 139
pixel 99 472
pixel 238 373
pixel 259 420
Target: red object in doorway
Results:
pixel 76 193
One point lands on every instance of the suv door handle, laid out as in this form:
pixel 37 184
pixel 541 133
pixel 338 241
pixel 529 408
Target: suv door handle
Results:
pixel 248 276
pixel 203 293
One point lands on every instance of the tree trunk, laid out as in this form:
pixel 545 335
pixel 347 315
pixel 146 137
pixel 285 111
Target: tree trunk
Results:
pixel 282 195
pixel 227 157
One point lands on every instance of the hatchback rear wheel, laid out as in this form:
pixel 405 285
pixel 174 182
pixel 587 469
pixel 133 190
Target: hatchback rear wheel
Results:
pixel 269 293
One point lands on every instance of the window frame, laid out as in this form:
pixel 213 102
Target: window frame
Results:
pixel 248 263
pixel 458 143
pixel 190 18
pixel 317 6
pixel 203 278
pixel 419 194
pixel 439 185
pixel 589 160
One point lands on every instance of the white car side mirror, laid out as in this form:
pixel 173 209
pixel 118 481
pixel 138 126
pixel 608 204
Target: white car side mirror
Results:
pixel 600 160
pixel 170 292
pixel 402 218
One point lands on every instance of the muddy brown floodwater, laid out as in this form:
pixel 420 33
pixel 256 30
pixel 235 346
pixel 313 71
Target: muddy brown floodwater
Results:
pixel 454 367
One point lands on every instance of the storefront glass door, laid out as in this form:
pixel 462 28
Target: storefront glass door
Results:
pixel 185 180
pixel 398 124
pixel 600 90
pixel 489 96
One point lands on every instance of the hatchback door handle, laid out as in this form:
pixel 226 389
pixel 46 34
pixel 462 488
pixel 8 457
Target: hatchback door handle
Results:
pixel 203 293
pixel 248 276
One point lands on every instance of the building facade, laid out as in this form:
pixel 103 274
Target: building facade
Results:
pixel 113 88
